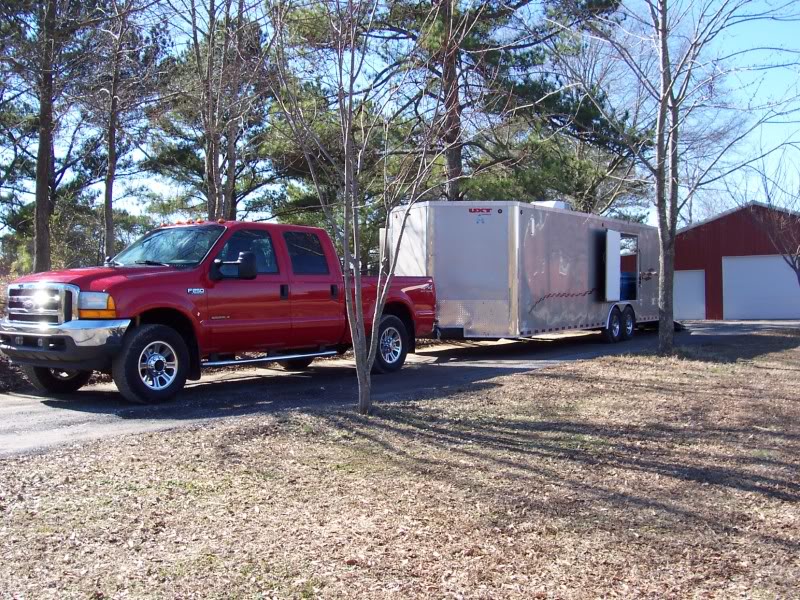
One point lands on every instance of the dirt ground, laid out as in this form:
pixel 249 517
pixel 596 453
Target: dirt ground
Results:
pixel 629 476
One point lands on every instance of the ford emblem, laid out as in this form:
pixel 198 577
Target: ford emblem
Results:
pixel 28 304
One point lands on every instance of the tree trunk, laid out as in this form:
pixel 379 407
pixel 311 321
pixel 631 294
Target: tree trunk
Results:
pixel 666 233
pixel 666 333
pixel 210 175
pixel 43 209
pixel 452 106
pixel 111 139
pixel 364 390
pixel 229 200
pixel 211 121
pixel 666 276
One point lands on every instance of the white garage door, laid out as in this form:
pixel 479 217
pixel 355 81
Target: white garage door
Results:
pixel 690 294
pixel 759 287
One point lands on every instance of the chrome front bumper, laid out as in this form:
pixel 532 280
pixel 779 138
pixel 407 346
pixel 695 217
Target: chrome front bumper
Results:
pixel 88 344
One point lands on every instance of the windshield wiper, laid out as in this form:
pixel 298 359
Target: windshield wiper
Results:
pixel 152 263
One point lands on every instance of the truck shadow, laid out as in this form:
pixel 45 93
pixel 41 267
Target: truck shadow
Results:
pixel 437 370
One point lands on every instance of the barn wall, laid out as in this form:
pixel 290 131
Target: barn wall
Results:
pixel 702 247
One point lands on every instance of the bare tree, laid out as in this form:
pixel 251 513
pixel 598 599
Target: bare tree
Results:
pixel 130 49
pixel 229 49
pixel 360 137
pixel 663 78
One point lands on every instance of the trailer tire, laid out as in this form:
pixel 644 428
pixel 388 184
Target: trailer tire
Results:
pixel 613 333
pixel 154 352
pixel 297 364
pixel 628 323
pixel 392 345
pixel 56 381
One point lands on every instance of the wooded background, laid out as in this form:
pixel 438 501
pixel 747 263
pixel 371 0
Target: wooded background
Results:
pixel 118 115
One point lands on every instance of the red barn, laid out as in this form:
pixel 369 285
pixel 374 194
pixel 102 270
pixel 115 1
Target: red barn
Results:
pixel 733 266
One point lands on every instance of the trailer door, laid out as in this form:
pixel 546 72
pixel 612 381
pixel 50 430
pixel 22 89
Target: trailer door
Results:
pixel 613 274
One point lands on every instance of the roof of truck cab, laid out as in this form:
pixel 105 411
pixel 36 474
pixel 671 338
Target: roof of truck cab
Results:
pixel 246 225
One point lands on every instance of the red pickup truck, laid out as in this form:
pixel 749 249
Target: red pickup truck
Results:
pixel 189 296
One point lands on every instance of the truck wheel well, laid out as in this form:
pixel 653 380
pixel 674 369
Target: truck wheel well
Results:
pixel 180 323
pixel 401 312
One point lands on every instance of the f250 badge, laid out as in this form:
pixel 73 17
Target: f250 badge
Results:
pixel 196 291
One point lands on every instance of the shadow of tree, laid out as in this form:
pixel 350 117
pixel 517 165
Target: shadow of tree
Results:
pixel 527 453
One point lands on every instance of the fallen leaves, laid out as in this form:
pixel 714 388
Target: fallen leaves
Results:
pixel 628 476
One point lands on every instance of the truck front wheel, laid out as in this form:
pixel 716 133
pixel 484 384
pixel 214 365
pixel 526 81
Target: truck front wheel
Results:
pixel 152 366
pixel 56 381
pixel 392 345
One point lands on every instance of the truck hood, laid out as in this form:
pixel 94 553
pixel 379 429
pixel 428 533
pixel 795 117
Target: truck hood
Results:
pixel 101 279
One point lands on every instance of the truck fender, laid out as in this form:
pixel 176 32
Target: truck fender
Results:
pixel 180 317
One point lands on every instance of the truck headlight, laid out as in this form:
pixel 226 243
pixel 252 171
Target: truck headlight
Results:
pixel 96 305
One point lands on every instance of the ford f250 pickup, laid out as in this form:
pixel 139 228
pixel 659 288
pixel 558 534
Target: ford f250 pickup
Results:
pixel 195 295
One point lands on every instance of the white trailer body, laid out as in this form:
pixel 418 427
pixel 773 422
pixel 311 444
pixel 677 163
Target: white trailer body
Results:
pixel 514 270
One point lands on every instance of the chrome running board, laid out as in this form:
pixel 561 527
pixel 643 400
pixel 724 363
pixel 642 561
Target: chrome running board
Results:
pixel 262 359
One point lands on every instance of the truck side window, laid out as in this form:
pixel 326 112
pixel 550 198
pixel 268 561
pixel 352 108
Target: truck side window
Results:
pixel 249 240
pixel 305 250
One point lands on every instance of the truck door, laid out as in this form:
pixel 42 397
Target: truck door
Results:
pixel 318 313
pixel 251 314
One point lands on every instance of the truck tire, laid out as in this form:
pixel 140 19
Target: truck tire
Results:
pixel 392 345
pixel 628 323
pixel 613 333
pixel 56 381
pixel 297 364
pixel 153 365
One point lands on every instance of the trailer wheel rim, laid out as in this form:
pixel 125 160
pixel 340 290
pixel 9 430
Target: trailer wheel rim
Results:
pixel 158 365
pixel 63 375
pixel 615 326
pixel 391 345
pixel 628 324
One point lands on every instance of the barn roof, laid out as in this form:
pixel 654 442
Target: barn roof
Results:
pixel 736 209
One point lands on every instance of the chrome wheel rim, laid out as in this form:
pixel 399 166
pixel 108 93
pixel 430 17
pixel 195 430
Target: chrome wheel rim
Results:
pixel 391 345
pixel 615 326
pixel 158 365
pixel 64 375
pixel 629 324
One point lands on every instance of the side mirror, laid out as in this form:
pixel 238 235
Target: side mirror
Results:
pixel 246 267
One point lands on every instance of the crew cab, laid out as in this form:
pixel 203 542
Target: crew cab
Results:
pixel 201 294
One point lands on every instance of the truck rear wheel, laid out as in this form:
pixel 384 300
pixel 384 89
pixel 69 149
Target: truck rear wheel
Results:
pixel 152 366
pixel 56 381
pixel 392 345
pixel 613 333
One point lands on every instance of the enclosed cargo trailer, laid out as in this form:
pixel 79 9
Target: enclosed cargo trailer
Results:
pixel 515 270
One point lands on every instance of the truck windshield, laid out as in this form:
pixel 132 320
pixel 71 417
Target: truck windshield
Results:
pixel 173 246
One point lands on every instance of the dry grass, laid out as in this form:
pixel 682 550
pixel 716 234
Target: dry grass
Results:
pixel 617 477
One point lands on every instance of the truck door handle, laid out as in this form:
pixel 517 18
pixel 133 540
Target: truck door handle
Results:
pixel 334 291
pixel 284 291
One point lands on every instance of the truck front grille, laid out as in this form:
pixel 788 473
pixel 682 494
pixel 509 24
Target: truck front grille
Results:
pixel 50 303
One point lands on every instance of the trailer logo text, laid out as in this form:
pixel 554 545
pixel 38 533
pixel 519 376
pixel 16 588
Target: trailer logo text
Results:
pixel 481 211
